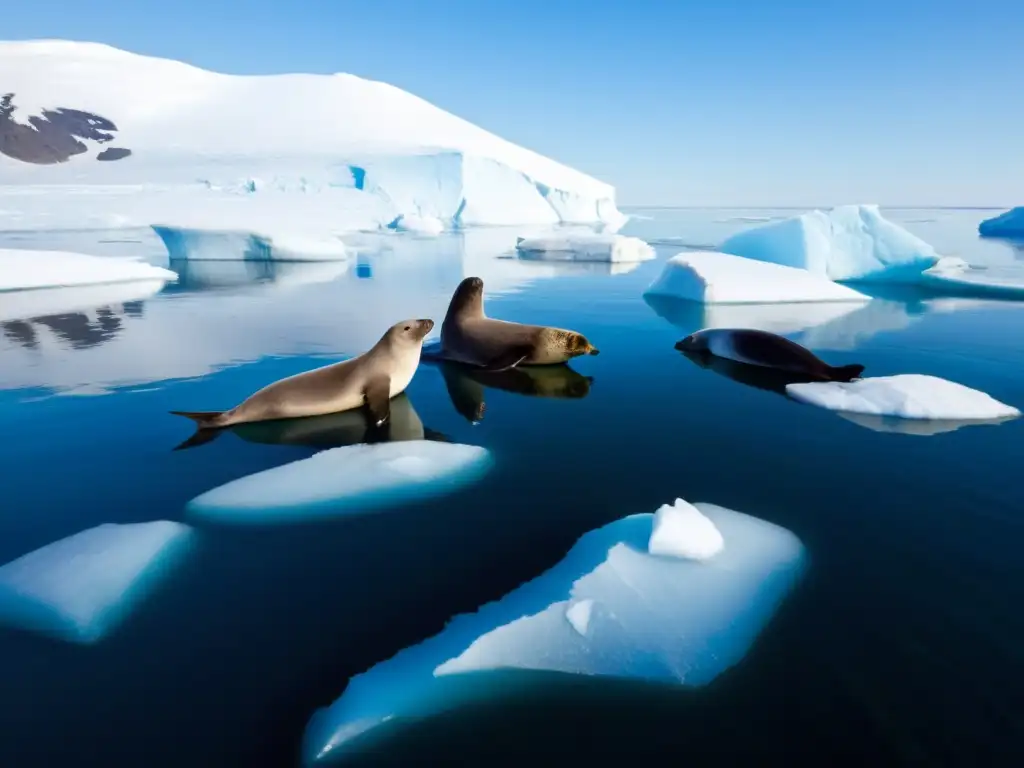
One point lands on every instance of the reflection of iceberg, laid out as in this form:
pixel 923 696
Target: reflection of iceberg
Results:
pixel 920 427
pixel 80 588
pixel 350 480
pixel 20 305
pixel 585 246
pixel 577 267
pixel 212 275
pixel 609 609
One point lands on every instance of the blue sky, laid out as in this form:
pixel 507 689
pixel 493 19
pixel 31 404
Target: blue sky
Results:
pixel 674 102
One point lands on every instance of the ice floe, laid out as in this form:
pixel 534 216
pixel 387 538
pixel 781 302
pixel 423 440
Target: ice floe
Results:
pixel 1008 224
pixel 25 269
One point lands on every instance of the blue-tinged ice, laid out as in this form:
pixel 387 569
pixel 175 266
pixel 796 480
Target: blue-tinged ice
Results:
pixel 956 276
pixel 80 588
pixel 610 609
pixel 1009 224
pixel 850 242
pixel 352 479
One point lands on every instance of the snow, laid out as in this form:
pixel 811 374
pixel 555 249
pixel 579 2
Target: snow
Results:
pixel 608 609
pixel 349 480
pixel 906 396
pixel 334 144
pixel 710 277
pixel 22 269
pixel 957 276
pixel 217 245
pixel 422 225
pixel 850 242
pixel 680 530
pixel 80 588
pixel 1008 224
pixel 596 246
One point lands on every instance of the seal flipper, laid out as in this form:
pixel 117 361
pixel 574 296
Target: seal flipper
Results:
pixel 845 372
pixel 204 419
pixel 377 394
pixel 510 358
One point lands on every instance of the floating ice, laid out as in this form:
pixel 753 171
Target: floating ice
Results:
pixel 1009 224
pixel 217 245
pixel 20 269
pixel 80 588
pixel 609 609
pixel 348 480
pixel 906 396
pixel 593 246
pixel 680 530
pixel 850 242
pixel 421 225
pixel 957 276
pixel 918 427
pixel 710 277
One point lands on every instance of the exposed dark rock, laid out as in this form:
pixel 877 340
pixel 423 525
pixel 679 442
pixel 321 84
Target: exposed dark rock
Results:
pixel 55 136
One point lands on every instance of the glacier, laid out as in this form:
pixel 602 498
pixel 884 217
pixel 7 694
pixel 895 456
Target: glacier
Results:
pixel 1009 224
pixel 905 396
pixel 594 246
pixel 349 480
pixel 129 140
pixel 849 242
pixel 609 609
pixel 710 277
pixel 25 270
pixel 81 588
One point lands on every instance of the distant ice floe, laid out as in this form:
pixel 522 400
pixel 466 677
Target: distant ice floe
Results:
pixel 349 480
pixel 610 609
pixel 593 246
pixel 420 225
pixel 81 588
pixel 215 245
pixel 905 396
pixel 25 269
pixel 711 277
pixel 1009 224
pixel 849 242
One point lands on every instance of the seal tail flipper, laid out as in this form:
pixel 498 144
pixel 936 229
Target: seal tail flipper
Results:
pixel 201 436
pixel 845 372
pixel 508 359
pixel 203 419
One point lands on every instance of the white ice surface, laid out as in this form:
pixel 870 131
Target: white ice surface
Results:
pixel 906 396
pixel 595 246
pixel 24 269
pixel 850 242
pixel 608 609
pixel 711 277
pixel 80 588
pixel 680 530
pixel 349 480
pixel 421 225
pixel 1008 224
pixel 369 150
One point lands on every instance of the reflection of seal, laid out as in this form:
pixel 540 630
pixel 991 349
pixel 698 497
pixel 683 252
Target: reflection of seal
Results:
pixel 466 385
pixel 371 379
pixel 469 336
pixel 767 350
pixel 757 376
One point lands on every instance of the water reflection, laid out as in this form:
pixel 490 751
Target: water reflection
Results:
pixel 195 276
pixel 919 427
pixel 567 264
pixel 466 385
pixel 759 377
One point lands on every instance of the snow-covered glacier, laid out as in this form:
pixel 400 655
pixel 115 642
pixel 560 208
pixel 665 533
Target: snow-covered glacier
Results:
pixel 676 597
pixel 94 136
pixel 1009 224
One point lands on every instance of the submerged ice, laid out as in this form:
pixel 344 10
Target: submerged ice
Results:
pixel 610 608
pixel 80 588
pixel 348 480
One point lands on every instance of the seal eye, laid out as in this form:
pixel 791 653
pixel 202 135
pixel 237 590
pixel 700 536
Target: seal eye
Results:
pixel 407 327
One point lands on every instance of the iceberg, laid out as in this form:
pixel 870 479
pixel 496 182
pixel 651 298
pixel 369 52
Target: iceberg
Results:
pixel 348 480
pixel 850 242
pixel 1009 224
pixel 609 609
pixel 710 277
pixel 215 245
pixel 953 275
pixel 23 270
pixel 144 140
pixel 595 246
pixel 421 225
pixel 80 588
pixel 905 396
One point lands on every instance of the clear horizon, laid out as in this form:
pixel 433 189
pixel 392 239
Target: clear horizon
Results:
pixel 743 104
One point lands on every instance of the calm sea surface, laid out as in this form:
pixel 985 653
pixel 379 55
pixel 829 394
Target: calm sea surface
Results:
pixel 900 646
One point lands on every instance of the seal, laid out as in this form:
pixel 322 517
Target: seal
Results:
pixel 370 379
pixel 767 350
pixel 468 336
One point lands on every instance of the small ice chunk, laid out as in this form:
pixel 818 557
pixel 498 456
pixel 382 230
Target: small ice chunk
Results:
pixel 906 396
pixel 680 530
pixel 348 480
pixel 23 269
pixel 849 242
pixel 710 277
pixel 1009 224
pixel 80 588
pixel 587 246
pixel 421 225
pixel 578 614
